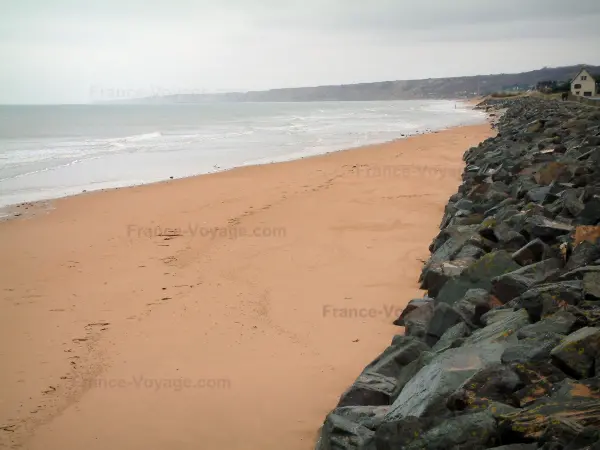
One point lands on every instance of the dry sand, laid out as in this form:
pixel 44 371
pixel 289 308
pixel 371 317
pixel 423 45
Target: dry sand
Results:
pixel 225 311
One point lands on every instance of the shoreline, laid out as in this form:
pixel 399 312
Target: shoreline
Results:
pixel 15 210
pixel 319 263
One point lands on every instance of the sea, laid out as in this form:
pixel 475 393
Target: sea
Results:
pixel 48 152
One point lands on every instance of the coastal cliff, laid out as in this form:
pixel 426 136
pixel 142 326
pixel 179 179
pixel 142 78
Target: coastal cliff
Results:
pixel 504 350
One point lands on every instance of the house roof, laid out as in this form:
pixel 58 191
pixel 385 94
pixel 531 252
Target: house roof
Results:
pixel 595 77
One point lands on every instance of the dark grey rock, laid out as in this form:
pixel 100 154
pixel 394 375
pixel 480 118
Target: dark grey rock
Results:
pixel 474 304
pixel 370 389
pixel 591 212
pixel 502 330
pixel 367 416
pixel 547 299
pixel 534 251
pixel 535 348
pixel 583 254
pixel 444 317
pixel 404 349
pixel 493 384
pixel 511 285
pixel 427 391
pixel 417 321
pixel 411 306
pixel 478 276
pixel 561 322
pixel 398 434
pixel 471 431
pixel 340 433
pixel 451 337
pixel 545 229
pixel 576 354
pixel 516 447
pixel 591 285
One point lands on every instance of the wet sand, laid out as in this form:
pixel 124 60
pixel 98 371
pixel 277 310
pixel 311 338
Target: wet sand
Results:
pixel 224 311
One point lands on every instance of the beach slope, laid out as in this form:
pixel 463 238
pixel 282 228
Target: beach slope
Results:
pixel 225 311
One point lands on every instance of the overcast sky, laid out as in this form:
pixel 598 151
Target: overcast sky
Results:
pixel 75 51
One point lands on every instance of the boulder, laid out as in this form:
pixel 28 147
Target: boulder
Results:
pixel 474 304
pixel 500 331
pixel 577 353
pixel 547 229
pixel 472 431
pixel 591 285
pixel 495 383
pixel 367 416
pixel 410 307
pixel 427 391
pixel 453 336
pixel 541 301
pixel 530 423
pixel 404 349
pixel 399 433
pixel 444 317
pixel 417 321
pixel 534 251
pixel 370 389
pixel 561 322
pixel 511 285
pixel 538 378
pixel 534 348
pixel 340 433
pixel 477 276
pixel 585 253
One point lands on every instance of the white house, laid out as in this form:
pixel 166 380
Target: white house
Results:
pixel 584 84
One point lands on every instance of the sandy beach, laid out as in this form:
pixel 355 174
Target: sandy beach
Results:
pixel 224 311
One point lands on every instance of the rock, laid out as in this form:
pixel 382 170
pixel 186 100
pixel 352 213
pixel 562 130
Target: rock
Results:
pixel 546 299
pixel 591 285
pixel 535 348
pixel 411 306
pixel 477 276
pixel 531 422
pixel 439 273
pixel 534 251
pixel 404 349
pixel 585 253
pixel 570 389
pixel 451 337
pixel 367 416
pixel 444 317
pixel 560 432
pixel 427 391
pixel 474 304
pixel 539 379
pixel 591 212
pixel 471 431
pixel 339 433
pixel 495 383
pixel 577 354
pixel 561 322
pixel 409 371
pixel 370 389
pixel 511 285
pixel 501 330
pixel 417 321
pixel 495 315
pixel 546 229
pixel 398 434
pixel 516 447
